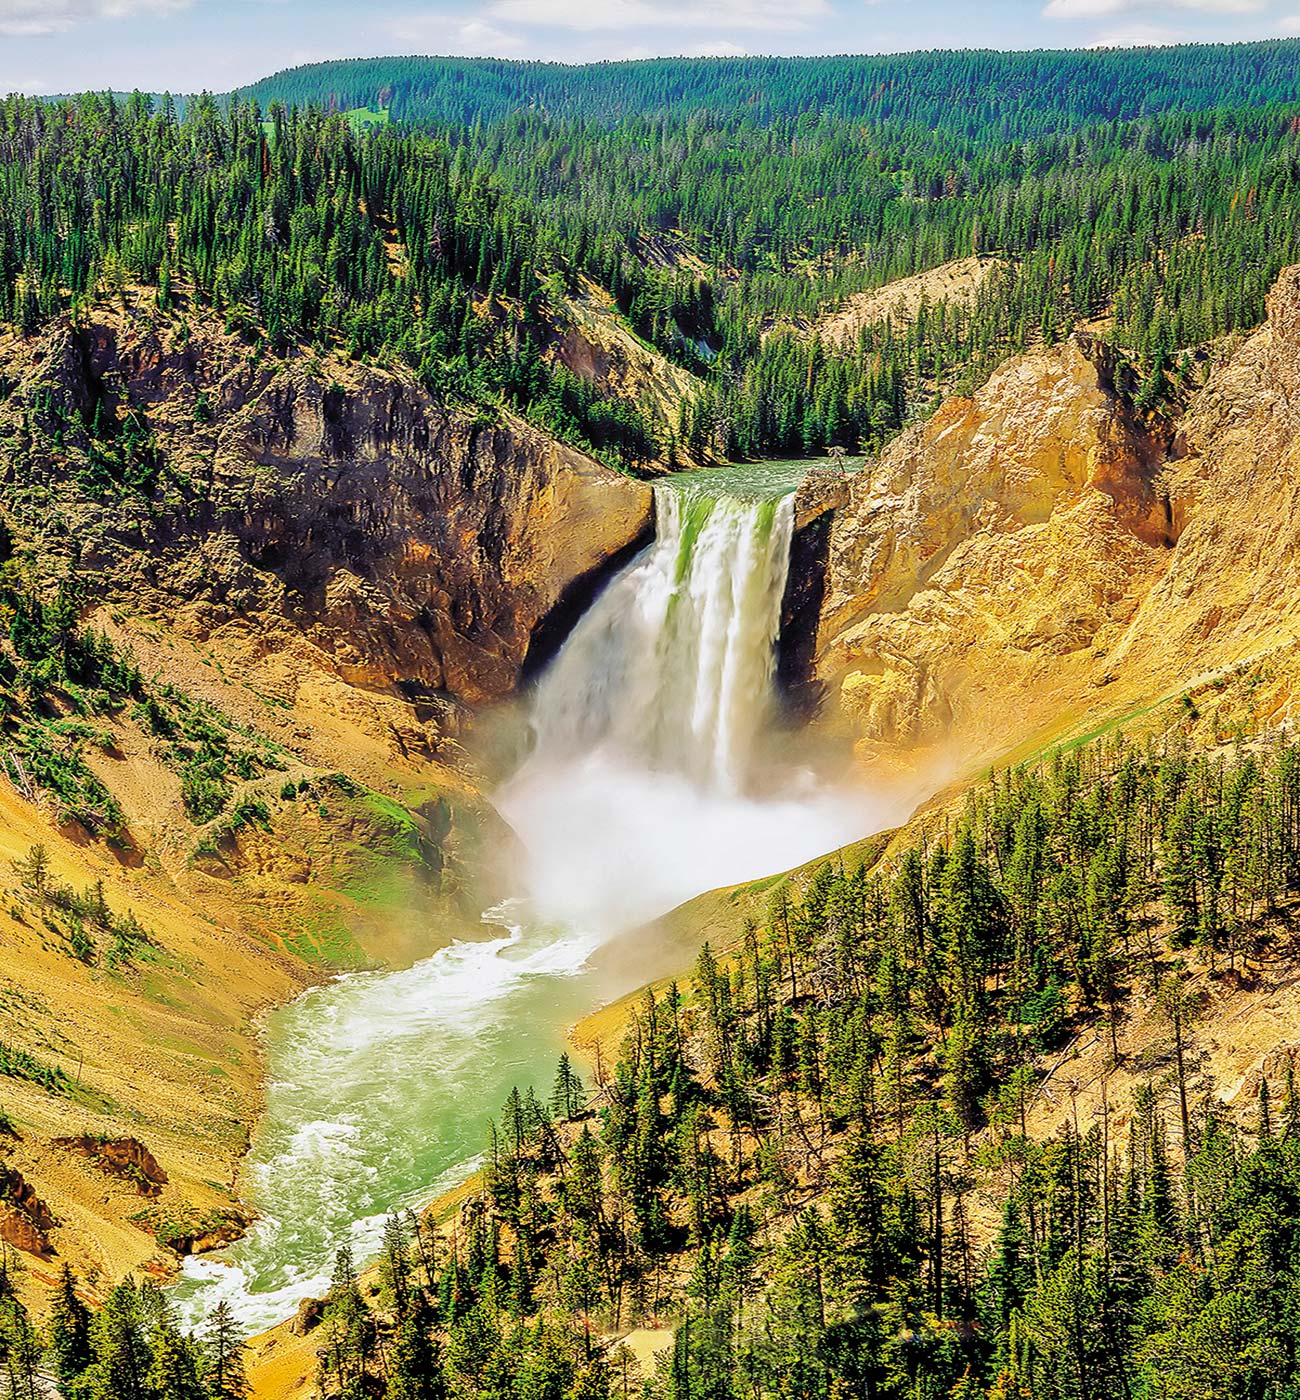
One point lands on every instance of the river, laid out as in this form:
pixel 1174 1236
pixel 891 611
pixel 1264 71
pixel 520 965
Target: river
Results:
pixel 655 775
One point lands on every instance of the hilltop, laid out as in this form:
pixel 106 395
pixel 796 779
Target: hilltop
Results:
pixel 961 90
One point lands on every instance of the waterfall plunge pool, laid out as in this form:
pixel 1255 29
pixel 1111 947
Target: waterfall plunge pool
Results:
pixel 654 776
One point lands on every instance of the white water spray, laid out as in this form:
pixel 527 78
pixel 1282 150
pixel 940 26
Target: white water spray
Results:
pixel 673 665
pixel 648 783
pixel 651 781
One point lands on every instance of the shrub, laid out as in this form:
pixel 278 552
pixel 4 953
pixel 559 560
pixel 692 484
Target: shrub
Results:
pixel 205 793
pixel 81 943
pixel 250 811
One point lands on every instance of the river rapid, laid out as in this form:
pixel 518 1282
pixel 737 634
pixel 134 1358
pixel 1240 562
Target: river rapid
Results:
pixel 656 772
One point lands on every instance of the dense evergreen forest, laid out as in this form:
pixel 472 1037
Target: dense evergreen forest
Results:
pixel 130 1348
pixel 814 1160
pixel 1154 188
pixel 985 94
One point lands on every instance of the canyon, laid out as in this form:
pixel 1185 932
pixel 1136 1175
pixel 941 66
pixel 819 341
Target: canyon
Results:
pixel 356 571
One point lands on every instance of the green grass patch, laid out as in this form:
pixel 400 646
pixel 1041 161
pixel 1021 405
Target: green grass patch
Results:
pixel 324 940
pixel 18 1064
pixel 178 1225
pixel 368 118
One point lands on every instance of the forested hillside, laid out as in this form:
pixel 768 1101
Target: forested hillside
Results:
pixel 297 230
pixel 1151 192
pixel 822 1157
pixel 987 94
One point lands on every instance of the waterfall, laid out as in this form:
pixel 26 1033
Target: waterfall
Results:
pixel 651 780
pixel 673 666
pixel 654 773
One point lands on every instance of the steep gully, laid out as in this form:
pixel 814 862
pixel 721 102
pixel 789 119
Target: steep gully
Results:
pixel 651 778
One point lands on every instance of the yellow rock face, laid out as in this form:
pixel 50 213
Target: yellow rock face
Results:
pixel 1035 556
pixel 346 563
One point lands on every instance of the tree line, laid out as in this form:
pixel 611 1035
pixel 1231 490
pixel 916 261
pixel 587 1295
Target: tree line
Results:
pixel 129 1347
pixel 983 93
pixel 721 235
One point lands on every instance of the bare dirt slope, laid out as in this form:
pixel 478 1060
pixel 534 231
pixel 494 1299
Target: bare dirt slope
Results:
pixel 316 567
pixel 596 343
pixel 899 302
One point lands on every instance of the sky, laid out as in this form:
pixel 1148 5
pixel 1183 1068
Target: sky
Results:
pixel 51 46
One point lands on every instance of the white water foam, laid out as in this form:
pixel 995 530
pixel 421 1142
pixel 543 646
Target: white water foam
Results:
pixel 383 1088
pixel 655 775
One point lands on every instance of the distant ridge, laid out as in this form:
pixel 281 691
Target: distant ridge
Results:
pixel 978 92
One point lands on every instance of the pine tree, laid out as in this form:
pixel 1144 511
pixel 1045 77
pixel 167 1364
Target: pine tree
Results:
pixel 348 1335
pixel 121 1349
pixel 35 870
pixel 224 1371
pixel 20 1353
pixel 567 1094
pixel 1265 1121
pixel 69 1330
pixel 174 1366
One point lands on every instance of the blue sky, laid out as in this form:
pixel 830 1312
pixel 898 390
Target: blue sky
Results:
pixel 184 45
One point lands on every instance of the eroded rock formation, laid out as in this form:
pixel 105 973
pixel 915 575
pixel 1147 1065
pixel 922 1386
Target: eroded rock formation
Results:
pixel 126 1158
pixel 25 1219
pixel 1008 562
pixel 409 540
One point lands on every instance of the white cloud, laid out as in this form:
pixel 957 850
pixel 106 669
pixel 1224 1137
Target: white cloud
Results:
pixel 448 34
pixel 31 85
pixel 24 18
pixel 716 48
pixel 1137 36
pixel 1094 9
pixel 588 15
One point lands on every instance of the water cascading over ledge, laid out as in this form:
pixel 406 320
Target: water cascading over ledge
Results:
pixel 656 771
pixel 653 778
pixel 674 664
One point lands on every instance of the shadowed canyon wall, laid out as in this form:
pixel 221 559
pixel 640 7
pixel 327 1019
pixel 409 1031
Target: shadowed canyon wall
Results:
pixel 405 538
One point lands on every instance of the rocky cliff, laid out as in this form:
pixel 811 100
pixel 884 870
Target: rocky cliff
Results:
pixel 593 341
pixel 1037 556
pixel 406 540
pixel 314 568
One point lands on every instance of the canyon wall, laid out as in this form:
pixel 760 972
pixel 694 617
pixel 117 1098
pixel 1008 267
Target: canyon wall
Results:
pixel 408 539
pixel 1038 556
pixel 319 568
